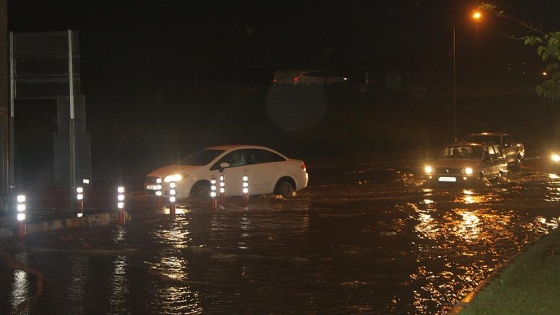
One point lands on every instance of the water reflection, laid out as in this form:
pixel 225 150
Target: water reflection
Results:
pixel 245 223
pixel 456 258
pixel 119 285
pixel 20 288
pixel 553 189
pixel 77 289
pixel 174 295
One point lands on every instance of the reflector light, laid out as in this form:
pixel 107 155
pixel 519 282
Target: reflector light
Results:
pixel 245 184
pixel 213 187
pixel 79 193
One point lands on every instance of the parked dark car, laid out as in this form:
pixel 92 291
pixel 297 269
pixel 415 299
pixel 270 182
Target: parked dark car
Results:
pixel 513 152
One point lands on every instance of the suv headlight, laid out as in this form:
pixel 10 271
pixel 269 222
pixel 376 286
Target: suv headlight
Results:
pixel 468 171
pixel 173 178
pixel 555 157
pixel 428 169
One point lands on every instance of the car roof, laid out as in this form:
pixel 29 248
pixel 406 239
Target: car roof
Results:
pixel 470 144
pixel 488 133
pixel 227 147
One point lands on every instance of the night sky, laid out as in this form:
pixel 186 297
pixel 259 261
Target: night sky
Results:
pixel 244 41
pixel 180 38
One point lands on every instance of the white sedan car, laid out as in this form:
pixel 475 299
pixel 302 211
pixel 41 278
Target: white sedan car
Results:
pixel 267 171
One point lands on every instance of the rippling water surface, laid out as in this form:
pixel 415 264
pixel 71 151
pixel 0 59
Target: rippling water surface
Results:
pixel 362 239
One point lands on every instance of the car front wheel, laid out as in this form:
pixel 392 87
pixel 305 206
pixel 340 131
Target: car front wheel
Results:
pixel 201 190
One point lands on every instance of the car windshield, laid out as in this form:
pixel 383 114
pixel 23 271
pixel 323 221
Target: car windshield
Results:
pixel 462 152
pixel 200 158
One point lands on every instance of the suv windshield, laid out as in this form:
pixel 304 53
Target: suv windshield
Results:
pixel 462 152
pixel 200 158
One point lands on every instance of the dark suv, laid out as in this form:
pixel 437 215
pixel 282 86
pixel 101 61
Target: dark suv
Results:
pixel 467 163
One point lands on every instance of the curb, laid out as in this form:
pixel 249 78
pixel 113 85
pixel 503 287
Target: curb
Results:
pixel 53 225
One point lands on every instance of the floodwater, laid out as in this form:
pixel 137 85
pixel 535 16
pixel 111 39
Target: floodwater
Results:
pixel 361 239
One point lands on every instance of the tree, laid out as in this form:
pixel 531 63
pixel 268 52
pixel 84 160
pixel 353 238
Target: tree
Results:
pixel 548 49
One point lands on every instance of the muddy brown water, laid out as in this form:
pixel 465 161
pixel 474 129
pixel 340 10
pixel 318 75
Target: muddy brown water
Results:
pixel 361 239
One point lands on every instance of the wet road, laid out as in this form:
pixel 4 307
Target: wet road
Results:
pixel 363 238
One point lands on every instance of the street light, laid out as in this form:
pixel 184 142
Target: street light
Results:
pixel 476 16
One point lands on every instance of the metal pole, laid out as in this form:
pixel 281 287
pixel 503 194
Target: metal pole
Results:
pixel 4 120
pixel 11 156
pixel 72 115
pixel 454 86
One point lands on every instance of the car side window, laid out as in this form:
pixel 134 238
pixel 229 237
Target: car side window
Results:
pixel 493 151
pixel 314 74
pixel 258 156
pixel 235 158
pixel 499 151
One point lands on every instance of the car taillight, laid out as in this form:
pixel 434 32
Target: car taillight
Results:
pixel 296 79
pixel 274 81
pixel 303 166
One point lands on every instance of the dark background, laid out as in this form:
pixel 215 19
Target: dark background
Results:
pixel 163 78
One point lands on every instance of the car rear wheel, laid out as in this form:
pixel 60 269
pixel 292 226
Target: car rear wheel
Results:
pixel 285 188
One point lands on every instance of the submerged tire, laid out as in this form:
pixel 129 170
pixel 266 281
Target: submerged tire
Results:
pixel 285 187
pixel 201 190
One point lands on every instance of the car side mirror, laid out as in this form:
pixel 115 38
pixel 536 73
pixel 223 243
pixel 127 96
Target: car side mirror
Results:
pixel 223 165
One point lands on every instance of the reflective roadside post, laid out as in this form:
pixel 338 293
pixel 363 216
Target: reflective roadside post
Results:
pixel 172 199
pixel 222 191
pixel 159 193
pixel 121 204
pixel 246 192
pixel 21 216
pixel 80 201
pixel 213 193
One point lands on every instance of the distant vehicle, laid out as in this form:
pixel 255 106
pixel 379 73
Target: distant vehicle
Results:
pixel 315 77
pixel 553 161
pixel 268 172
pixel 555 158
pixel 513 152
pixel 467 164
